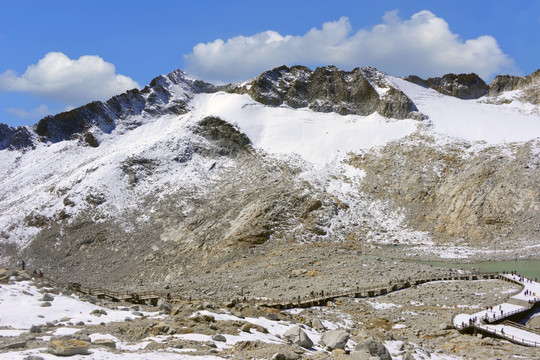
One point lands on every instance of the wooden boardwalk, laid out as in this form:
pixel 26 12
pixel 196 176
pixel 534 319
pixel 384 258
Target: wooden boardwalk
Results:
pixel 322 299
pixel 365 292
pixel 152 297
pixel 495 323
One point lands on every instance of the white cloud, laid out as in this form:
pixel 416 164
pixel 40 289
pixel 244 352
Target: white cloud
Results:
pixel 71 82
pixel 38 112
pixel 422 45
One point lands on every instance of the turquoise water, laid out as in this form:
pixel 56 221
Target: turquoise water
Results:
pixel 528 268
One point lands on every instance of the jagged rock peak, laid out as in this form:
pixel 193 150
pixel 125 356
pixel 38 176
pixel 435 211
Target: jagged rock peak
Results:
pixel 361 91
pixel 16 138
pixel 530 86
pixel 166 94
pixel 463 86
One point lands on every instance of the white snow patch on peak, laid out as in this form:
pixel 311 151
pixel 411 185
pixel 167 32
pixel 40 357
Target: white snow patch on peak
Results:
pixel 320 138
pixel 473 120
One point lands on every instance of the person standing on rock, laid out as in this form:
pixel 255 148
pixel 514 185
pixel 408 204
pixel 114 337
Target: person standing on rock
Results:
pixel 23 264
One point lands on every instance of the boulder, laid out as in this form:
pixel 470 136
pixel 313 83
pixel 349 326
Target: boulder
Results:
pixel 375 348
pixel 68 347
pixel 47 297
pixel 445 326
pixel 35 329
pixel 98 312
pixel 317 324
pixel 105 343
pixel 155 346
pixel 298 336
pixel 33 357
pixel 164 305
pixel 14 345
pixel 219 338
pixel 360 355
pixel 160 328
pixel 176 310
pixel 24 276
pixel 335 339
pixel 248 326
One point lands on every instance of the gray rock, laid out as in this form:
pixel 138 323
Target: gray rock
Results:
pixel 317 324
pixel 362 355
pixel 24 276
pixel 164 305
pixel 47 297
pixel 219 337
pixel 14 345
pixel 63 337
pixel 408 356
pixel 335 339
pixel 445 326
pixel 46 304
pixel 375 348
pixel 98 312
pixel 33 357
pixel 83 337
pixel 35 329
pixel 278 356
pixel 299 337
pixel 105 343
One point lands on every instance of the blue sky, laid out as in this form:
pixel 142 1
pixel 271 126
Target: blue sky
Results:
pixel 57 55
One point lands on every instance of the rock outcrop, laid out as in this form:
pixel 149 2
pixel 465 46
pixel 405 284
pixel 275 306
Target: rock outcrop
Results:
pixel 155 99
pixel 481 196
pixel 529 85
pixel 463 86
pixel 329 89
pixel 15 138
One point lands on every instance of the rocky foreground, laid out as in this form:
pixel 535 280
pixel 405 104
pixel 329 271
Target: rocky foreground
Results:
pixel 408 324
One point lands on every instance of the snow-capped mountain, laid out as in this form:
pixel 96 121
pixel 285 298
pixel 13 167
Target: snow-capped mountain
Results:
pixel 183 172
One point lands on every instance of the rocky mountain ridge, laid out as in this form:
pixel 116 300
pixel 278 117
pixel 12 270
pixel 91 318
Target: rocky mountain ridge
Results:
pixel 184 177
pixel 361 91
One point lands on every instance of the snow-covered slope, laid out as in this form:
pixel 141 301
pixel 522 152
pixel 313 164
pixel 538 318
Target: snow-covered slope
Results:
pixel 475 120
pixel 150 165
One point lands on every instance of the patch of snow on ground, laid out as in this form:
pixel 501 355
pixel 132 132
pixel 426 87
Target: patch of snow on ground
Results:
pixel 24 303
pixel 382 306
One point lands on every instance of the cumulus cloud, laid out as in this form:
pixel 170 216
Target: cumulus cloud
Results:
pixel 71 82
pixel 422 45
pixel 38 112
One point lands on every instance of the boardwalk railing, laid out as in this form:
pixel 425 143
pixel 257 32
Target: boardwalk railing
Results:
pixel 513 338
pixel 522 327
pixel 495 317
